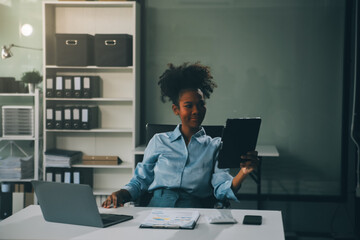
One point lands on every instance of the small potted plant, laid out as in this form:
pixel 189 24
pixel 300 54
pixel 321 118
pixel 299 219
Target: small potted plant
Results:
pixel 31 78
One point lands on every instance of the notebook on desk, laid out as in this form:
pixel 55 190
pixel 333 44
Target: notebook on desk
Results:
pixel 72 204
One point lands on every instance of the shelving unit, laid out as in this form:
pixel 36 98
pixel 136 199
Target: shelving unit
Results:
pixel 23 99
pixel 119 99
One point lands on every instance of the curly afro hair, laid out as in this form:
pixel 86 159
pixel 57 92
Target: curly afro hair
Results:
pixel 186 76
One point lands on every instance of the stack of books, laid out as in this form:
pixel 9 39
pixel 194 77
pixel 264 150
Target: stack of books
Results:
pixel 62 158
pixel 101 160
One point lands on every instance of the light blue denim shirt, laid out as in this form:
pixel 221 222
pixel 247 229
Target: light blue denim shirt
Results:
pixel 169 163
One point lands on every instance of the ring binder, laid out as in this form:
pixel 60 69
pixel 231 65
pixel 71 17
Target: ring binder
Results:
pixel 50 119
pixel 59 116
pixel 50 87
pixel 59 87
pixel 78 86
pixel 68 87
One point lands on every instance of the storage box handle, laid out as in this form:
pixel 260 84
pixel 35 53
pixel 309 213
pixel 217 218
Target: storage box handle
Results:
pixel 110 42
pixel 71 42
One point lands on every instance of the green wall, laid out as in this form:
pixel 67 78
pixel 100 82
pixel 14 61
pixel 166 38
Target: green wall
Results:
pixel 13 14
pixel 281 60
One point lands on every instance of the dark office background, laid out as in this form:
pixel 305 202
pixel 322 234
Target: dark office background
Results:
pixel 290 62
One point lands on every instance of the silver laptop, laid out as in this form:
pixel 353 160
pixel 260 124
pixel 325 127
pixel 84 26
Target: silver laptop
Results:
pixel 72 204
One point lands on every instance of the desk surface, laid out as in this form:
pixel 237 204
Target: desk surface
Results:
pixel 264 150
pixel 30 224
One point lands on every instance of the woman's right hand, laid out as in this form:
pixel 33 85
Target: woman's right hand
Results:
pixel 117 198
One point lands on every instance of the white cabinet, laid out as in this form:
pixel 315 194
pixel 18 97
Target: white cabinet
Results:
pixel 118 131
pixel 21 144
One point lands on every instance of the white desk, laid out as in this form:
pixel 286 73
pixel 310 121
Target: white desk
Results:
pixel 30 224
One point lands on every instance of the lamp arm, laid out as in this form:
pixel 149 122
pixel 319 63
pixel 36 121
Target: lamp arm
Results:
pixel 13 45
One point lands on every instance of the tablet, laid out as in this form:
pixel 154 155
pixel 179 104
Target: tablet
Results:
pixel 239 137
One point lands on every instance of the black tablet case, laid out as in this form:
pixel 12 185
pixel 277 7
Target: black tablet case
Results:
pixel 239 136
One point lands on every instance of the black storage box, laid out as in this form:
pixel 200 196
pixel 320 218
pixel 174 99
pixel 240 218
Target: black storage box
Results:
pixel 113 50
pixel 74 49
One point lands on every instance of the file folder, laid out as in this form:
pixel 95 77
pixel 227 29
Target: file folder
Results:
pixel 59 89
pixel 50 87
pixel 58 177
pixel 49 176
pixel 59 117
pixel 89 117
pixel 67 117
pixel 50 119
pixel 78 86
pixel 68 87
pixel 76 177
pixel 67 177
pixel 76 117
pixel 91 86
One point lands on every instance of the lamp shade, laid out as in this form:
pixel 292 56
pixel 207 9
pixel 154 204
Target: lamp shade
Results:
pixel 5 52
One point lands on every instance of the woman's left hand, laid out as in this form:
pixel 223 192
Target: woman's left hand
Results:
pixel 251 161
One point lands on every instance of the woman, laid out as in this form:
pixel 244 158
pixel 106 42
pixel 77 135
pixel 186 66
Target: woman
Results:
pixel 180 167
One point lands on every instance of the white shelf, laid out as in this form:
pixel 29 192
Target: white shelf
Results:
pixel 119 103
pixel 130 68
pixel 15 180
pixel 124 99
pixel 124 165
pixel 35 102
pixel 17 94
pixel 95 130
pixel 128 4
pixel 17 138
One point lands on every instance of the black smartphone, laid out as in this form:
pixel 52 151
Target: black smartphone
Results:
pixel 252 219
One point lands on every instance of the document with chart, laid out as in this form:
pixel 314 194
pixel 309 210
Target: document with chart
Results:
pixel 168 218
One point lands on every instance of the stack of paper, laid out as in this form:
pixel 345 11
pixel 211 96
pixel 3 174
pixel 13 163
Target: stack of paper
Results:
pixel 62 158
pixel 163 218
pixel 17 167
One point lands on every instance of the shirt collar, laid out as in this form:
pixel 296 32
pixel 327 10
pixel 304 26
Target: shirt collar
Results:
pixel 177 133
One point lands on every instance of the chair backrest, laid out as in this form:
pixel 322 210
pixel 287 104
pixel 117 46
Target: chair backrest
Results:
pixel 152 129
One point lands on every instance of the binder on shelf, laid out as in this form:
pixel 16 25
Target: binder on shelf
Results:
pixel 91 86
pixel 50 118
pixel 78 86
pixel 67 117
pixel 76 177
pixel 18 197
pixel 89 117
pixel 49 177
pixel 59 117
pixel 29 199
pixel 76 117
pixel 67 177
pixel 50 86
pixel 101 160
pixel 59 87
pixel 58 177
pixel 68 86
pixel 5 204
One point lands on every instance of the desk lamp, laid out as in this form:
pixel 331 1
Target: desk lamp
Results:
pixel 6 53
